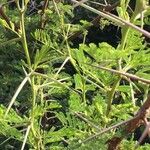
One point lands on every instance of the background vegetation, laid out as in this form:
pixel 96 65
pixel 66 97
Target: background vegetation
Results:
pixel 74 77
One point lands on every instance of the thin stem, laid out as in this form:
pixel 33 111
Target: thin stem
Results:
pixel 116 83
pixel 111 95
pixel 132 93
pixel 17 93
pixel 34 95
pixel 43 15
pixel 83 90
pixel 78 4
pixel 146 91
pixel 26 136
pixel 61 67
pixel 128 75
pixel 24 40
pixel 26 50
pixel 87 121
pixel 119 21
pixel 105 130
pixel 125 32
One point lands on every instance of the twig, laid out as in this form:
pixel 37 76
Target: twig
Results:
pixel 114 18
pixel 26 136
pixel 138 120
pixel 131 76
pixel 87 121
pixel 130 124
pixel 107 129
pixel 43 17
pixel 95 21
pixel 144 134
pixel 81 2
pixel 17 93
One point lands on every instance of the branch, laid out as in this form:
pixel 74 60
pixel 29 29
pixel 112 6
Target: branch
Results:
pixel 128 75
pixel 129 126
pixel 134 123
pixel 95 21
pixel 115 19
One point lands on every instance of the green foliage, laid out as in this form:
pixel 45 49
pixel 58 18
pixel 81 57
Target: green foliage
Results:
pixel 57 109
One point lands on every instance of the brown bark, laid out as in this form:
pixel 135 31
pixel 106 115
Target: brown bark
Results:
pixel 130 126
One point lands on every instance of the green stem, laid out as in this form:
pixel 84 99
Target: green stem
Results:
pixel 146 91
pixel 24 40
pixel 33 98
pixel 35 132
pixel 125 31
pixel 117 81
pixel 26 50
pixel 83 90
pixel 111 95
